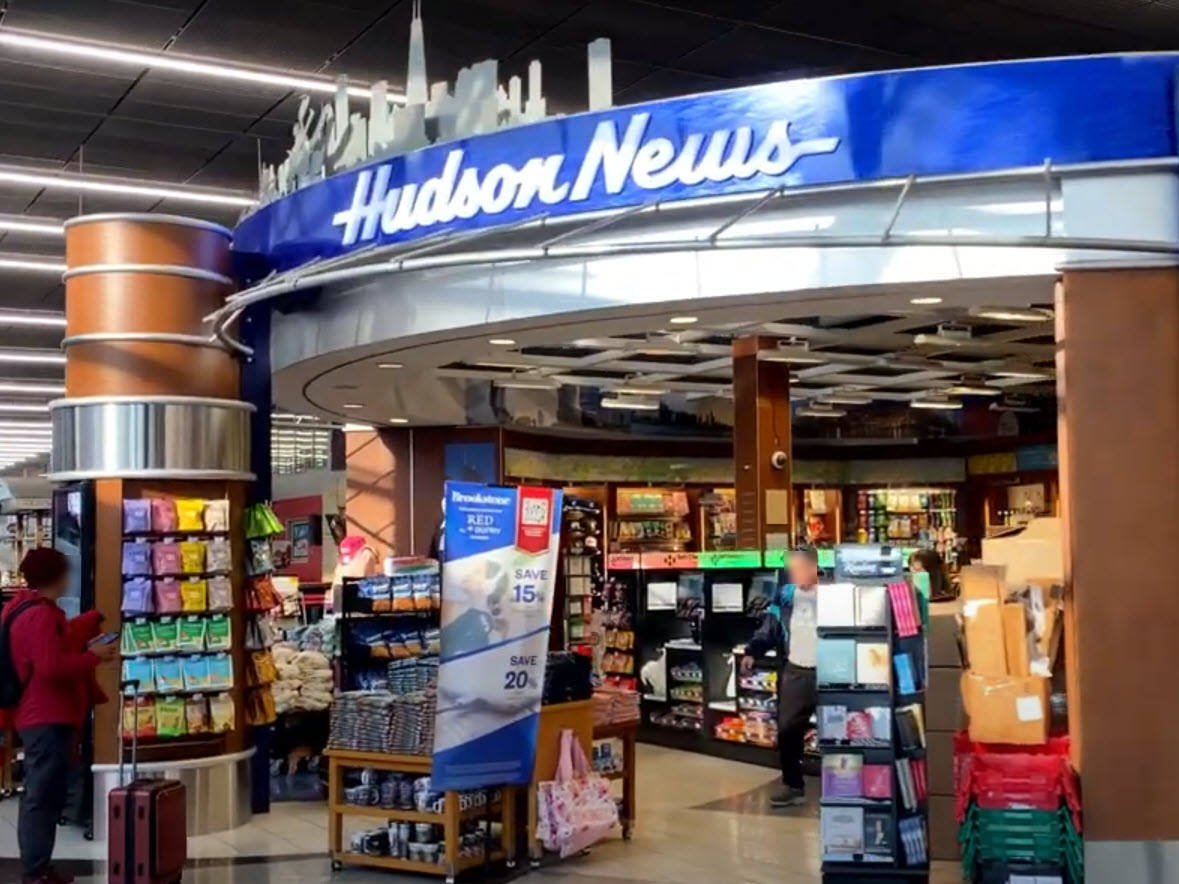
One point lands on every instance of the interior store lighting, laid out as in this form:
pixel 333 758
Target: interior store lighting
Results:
pixel 32 389
pixel 39 226
pixel 796 355
pixel 683 320
pixel 32 357
pixel 926 301
pixel 937 403
pixel 1022 374
pixel 1012 314
pixel 501 342
pixel 82 183
pixel 817 411
pixel 399 420
pixel 526 384
pixel 628 404
pixel 205 68
pixel 967 388
pixel 845 399
pixel 1016 404
pixel 31 318
pixel 354 405
pixel 24 406
pixel 389 365
pixel 32 426
pixel 32 262
pixel 628 390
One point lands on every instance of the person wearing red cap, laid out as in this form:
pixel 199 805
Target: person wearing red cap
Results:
pixel 56 669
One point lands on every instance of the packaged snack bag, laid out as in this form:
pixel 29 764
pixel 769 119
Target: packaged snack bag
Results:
pixel 191 634
pixel 196 715
pixel 136 516
pixel 137 638
pixel 260 561
pixel 195 672
pixel 216 515
pixel 170 721
pixel 165 635
pixel 402 593
pixel 217 634
pixel 220 593
pixel 192 557
pixel 166 557
pixel 262 664
pixel 139 669
pixel 432 638
pixel 168 675
pixel 421 592
pixel 194 596
pixel 413 643
pixel 221 713
pixel 163 515
pixel 190 514
pixel 136 559
pixel 141 723
pixel 218 555
pixel 168 596
pixel 220 672
pixel 137 597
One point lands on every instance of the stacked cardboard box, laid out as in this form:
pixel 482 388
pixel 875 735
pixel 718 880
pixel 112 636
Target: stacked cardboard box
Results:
pixel 944 716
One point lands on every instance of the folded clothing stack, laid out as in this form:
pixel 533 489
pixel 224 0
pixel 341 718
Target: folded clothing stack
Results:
pixel 378 721
pixel 305 679
pixel 615 706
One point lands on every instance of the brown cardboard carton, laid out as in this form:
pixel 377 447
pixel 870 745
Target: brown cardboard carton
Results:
pixel 983 619
pixel 1015 638
pixel 984 583
pixel 939 750
pixel 1006 709
pixel 943 700
pixel 944 634
pixel 943 829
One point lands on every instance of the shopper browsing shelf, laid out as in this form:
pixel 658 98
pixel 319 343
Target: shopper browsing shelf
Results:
pixel 928 561
pixel 789 629
pixel 52 664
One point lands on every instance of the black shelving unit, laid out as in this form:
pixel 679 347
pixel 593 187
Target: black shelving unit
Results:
pixel 867 867
pixel 352 659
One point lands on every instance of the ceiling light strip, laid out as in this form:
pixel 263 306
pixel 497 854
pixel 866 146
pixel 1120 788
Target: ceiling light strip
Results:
pixel 207 68
pixel 78 182
pixel 36 263
pixel 29 224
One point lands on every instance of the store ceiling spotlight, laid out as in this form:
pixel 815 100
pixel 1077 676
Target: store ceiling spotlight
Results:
pixel 940 403
pixel 972 387
pixel 1013 314
pixel 35 263
pixel 1018 404
pixel 845 399
pixel 791 350
pixel 81 183
pixel 399 420
pixel 949 334
pixel 624 402
pixel 32 357
pixel 1023 374
pixel 354 405
pixel 31 224
pixel 33 389
pixel 820 411
pixel 389 365
pixel 502 342
pixel 526 384
pixel 206 68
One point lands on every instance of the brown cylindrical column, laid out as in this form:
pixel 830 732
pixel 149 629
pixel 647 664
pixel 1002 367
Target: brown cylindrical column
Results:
pixel 761 427
pixel 1118 382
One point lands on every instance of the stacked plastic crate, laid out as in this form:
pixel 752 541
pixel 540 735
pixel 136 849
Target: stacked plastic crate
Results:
pixel 1019 812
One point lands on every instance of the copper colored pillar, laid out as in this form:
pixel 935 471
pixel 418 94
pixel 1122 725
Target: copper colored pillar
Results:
pixel 1118 381
pixel 761 430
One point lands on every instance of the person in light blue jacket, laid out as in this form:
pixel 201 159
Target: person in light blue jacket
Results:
pixel 789 629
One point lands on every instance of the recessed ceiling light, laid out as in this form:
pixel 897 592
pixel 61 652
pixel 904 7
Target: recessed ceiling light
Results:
pixel 208 68
pixel 936 403
pixel 628 390
pixel 621 402
pixel 683 320
pixel 390 365
pixel 1012 314
pixel 923 302
pixel 501 342
pixel 353 405
pixel 399 420
pixel 815 411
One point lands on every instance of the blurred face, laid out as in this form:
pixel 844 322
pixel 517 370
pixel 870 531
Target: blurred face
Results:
pixel 915 564
pixel 803 570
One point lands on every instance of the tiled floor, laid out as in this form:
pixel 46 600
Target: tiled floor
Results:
pixel 699 819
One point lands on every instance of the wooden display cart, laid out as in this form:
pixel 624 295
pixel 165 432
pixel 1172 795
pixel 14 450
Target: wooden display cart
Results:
pixel 578 717
pixel 626 733
pixel 452 865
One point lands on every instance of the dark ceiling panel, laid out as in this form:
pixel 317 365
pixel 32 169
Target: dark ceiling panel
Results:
pixel 133 22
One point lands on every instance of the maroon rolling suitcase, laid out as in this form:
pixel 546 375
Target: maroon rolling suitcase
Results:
pixel 146 825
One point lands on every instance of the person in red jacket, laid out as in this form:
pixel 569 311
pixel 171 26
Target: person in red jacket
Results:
pixel 57 673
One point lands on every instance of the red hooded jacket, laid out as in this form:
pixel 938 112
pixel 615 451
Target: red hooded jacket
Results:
pixel 50 656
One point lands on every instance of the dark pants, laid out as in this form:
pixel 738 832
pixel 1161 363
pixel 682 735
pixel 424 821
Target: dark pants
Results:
pixel 49 752
pixel 796 705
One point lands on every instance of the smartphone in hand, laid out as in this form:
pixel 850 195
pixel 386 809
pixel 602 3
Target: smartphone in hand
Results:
pixel 105 639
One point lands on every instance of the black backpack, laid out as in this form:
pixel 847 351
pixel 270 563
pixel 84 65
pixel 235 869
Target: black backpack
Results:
pixel 10 686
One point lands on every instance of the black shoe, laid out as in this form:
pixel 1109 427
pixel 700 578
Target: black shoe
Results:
pixel 789 797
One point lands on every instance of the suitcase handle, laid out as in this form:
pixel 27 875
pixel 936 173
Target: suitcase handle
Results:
pixel 132 683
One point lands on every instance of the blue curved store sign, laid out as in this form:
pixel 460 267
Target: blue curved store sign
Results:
pixel 933 121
